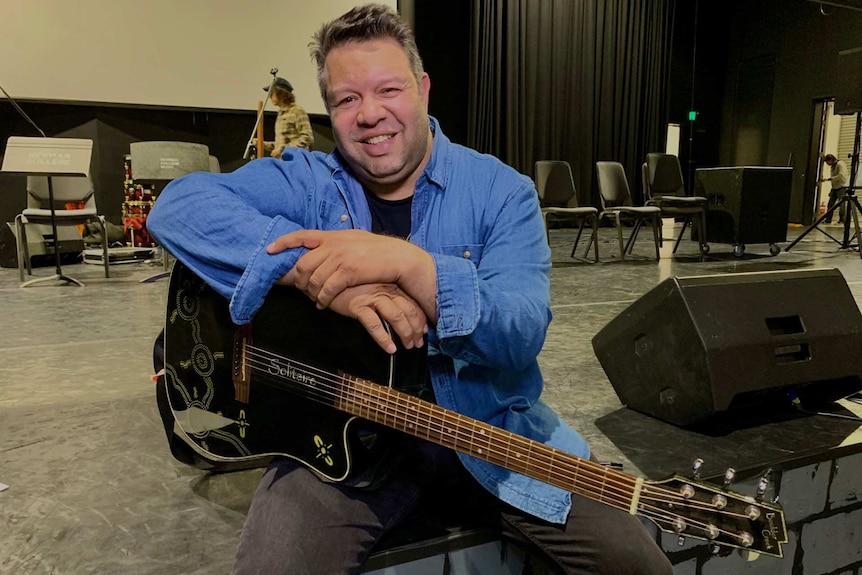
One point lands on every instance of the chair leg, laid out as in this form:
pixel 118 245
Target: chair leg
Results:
pixel 21 246
pixel 685 224
pixel 594 238
pixel 630 243
pixel 547 229
pixel 656 234
pixel 578 237
pixel 661 234
pixel 619 226
pixel 107 264
pixel 701 233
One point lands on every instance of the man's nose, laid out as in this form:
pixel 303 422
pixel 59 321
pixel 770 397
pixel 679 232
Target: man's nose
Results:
pixel 370 111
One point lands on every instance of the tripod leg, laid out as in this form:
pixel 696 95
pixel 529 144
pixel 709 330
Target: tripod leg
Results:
pixel 827 214
pixel 855 210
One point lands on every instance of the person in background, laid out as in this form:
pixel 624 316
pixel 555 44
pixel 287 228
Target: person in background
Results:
pixel 292 126
pixel 445 244
pixel 838 177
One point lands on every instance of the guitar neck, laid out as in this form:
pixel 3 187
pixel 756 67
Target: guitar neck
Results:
pixel 425 420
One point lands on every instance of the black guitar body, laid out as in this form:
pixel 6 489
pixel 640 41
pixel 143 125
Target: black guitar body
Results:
pixel 277 419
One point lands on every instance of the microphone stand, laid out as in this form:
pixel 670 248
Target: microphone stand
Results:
pixel 22 112
pixel 247 155
pixel 58 271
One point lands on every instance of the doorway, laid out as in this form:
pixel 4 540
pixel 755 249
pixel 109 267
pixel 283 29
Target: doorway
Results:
pixel 831 134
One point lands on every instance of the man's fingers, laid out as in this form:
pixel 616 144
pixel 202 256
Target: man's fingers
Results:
pixel 326 284
pixel 318 276
pixel 302 239
pixel 415 318
pixel 375 328
pixel 403 320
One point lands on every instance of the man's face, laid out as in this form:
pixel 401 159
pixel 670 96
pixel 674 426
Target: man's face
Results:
pixel 379 115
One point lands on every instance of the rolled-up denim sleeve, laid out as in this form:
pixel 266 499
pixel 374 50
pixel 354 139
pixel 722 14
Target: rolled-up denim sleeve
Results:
pixel 219 225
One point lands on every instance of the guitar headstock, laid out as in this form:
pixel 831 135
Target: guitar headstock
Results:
pixel 691 508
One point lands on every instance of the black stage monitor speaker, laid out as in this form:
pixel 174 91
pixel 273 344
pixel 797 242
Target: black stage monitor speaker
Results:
pixel 694 347
pixel 747 204
pixel 848 99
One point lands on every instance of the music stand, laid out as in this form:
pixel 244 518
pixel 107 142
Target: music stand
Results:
pixel 158 163
pixel 49 157
pixel 849 199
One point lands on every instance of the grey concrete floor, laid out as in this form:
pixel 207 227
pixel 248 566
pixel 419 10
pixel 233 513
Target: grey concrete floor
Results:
pixel 92 487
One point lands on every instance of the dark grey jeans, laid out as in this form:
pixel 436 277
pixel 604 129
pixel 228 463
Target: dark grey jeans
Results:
pixel 300 525
pixel 834 196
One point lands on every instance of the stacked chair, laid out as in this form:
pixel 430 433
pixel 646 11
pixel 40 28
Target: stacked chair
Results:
pixel 617 205
pixel 559 201
pixel 664 188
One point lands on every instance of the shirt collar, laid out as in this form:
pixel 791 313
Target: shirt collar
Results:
pixel 437 169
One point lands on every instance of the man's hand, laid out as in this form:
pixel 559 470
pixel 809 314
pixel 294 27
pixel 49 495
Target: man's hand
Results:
pixel 276 152
pixel 338 260
pixel 372 304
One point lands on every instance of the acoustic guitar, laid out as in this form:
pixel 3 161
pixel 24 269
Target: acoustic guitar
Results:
pixel 303 383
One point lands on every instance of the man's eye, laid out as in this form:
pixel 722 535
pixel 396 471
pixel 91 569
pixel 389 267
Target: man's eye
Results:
pixel 345 100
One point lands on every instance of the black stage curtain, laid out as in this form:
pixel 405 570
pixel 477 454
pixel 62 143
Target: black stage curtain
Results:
pixel 575 80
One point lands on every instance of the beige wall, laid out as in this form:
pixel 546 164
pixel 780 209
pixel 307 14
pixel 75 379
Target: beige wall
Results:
pixel 189 53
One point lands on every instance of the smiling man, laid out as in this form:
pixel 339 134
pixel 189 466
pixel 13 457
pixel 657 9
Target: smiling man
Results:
pixel 399 225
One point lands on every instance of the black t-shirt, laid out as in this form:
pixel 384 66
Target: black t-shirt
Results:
pixel 390 217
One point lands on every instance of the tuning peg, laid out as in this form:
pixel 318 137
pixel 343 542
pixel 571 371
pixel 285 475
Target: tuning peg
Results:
pixel 729 476
pixel 761 488
pixel 762 484
pixel 695 468
pixel 720 550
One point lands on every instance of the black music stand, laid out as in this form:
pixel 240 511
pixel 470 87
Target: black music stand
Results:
pixel 158 163
pixel 849 199
pixel 49 157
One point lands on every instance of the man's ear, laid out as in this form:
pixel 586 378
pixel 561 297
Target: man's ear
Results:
pixel 424 88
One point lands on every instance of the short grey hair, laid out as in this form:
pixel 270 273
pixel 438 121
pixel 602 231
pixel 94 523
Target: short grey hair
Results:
pixel 363 23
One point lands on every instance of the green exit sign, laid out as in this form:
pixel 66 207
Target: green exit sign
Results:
pixel 692 115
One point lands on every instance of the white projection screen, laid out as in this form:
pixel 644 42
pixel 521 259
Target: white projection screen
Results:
pixel 210 54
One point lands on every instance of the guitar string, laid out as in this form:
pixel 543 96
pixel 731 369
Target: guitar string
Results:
pixel 621 484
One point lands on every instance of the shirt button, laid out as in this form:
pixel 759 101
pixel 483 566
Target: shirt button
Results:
pixel 343 217
pixel 467 254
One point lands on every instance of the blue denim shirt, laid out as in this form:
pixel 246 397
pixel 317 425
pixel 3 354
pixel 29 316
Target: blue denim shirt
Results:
pixel 477 217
